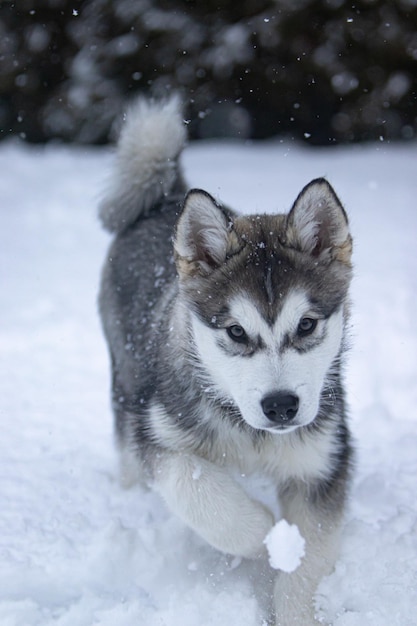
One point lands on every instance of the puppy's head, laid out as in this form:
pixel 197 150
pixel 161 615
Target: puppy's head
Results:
pixel 267 298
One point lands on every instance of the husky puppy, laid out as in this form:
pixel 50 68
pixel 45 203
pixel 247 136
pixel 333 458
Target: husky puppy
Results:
pixel 226 334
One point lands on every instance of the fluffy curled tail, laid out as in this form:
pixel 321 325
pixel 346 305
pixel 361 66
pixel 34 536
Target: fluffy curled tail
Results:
pixel 147 167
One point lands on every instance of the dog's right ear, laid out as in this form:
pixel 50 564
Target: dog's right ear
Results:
pixel 204 235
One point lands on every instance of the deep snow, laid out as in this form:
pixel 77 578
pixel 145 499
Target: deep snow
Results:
pixel 77 550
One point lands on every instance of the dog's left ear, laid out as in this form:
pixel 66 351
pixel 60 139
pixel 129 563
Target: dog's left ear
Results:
pixel 204 234
pixel 317 223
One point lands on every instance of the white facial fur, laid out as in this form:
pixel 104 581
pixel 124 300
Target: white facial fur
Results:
pixel 248 379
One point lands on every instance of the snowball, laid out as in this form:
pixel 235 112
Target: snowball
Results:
pixel 196 472
pixel 285 546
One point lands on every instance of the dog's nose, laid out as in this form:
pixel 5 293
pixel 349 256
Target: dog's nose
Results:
pixel 280 407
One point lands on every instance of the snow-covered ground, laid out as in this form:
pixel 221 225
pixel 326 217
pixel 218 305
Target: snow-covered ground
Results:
pixel 77 550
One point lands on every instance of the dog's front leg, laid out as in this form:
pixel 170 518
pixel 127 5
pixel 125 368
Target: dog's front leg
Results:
pixel 294 592
pixel 207 498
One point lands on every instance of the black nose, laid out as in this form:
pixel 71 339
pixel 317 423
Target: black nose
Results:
pixel 281 407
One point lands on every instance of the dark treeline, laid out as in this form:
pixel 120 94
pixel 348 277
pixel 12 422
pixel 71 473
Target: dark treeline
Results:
pixel 325 71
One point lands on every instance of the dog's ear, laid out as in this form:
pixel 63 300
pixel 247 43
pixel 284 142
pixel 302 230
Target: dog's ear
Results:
pixel 204 234
pixel 317 223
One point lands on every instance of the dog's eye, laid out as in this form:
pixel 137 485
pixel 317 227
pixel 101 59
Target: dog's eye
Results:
pixel 306 326
pixel 237 333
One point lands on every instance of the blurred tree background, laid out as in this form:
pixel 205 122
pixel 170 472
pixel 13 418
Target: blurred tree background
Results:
pixel 324 71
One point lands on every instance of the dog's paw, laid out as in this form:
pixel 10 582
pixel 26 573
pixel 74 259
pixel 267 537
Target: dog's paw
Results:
pixel 209 500
pixel 244 535
pixel 306 619
pixel 294 600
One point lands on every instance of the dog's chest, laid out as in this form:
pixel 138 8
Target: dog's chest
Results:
pixel 281 457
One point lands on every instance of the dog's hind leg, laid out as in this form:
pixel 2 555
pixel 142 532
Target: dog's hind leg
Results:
pixel 208 500
pixel 130 468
